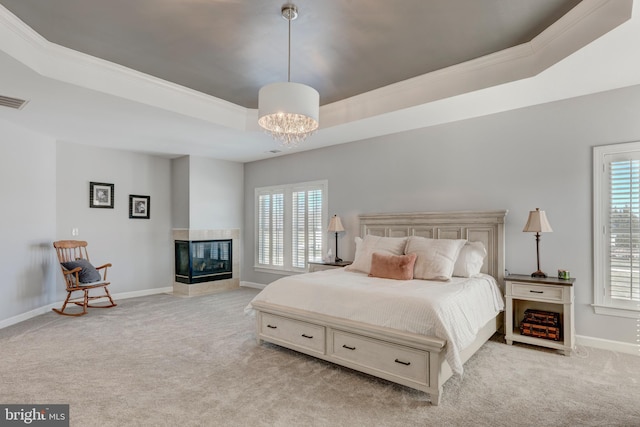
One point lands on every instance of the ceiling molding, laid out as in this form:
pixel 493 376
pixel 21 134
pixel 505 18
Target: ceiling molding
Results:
pixel 586 22
pixel 228 131
pixel 57 62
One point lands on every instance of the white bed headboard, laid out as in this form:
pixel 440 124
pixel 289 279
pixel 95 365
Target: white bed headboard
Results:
pixel 483 226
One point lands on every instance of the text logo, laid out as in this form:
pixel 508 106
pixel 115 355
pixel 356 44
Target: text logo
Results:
pixel 34 415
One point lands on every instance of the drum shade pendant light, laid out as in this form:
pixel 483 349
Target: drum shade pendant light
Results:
pixel 288 111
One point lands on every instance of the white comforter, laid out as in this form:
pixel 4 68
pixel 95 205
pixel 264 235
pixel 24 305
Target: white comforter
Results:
pixel 453 311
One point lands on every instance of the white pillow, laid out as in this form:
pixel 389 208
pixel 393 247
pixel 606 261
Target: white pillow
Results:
pixel 370 244
pixel 470 260
pixel 436 257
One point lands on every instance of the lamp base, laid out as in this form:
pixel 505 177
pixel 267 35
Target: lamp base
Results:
pixel 337 260
pixel 538 274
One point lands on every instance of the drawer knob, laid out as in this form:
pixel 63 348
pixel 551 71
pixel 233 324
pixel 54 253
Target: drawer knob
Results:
pixel 347 347
pixel 272 327
pixel 307 336
pixel 403 363
pixel 537 292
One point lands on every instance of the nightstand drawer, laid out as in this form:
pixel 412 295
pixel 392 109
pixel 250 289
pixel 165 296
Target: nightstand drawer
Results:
pixel 527 290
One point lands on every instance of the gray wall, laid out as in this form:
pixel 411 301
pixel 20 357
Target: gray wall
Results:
pixel 28 220
pixel 180 192
pixel 519 160
pixel 45 193
pixel 140 250
pixel 207 193
pixel 215 194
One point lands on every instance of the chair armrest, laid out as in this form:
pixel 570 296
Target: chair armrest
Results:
pixel 104 274
pixel 72 283
pixel 104 266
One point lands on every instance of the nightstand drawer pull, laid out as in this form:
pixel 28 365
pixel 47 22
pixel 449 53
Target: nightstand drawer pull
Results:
pixel 537 292
pixel 272 327
pixel 347 347
pixel 403 363
pixel 307 336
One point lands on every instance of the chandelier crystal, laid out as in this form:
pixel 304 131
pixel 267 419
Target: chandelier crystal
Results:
pixel 288 111
pixel 289 128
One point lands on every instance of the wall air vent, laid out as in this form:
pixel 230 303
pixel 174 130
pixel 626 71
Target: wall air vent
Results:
pixel 16 103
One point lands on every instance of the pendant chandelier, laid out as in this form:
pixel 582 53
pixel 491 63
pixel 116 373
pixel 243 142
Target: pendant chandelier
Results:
pixel 288 111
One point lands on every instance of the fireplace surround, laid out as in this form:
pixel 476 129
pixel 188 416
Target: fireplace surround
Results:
pixel 206 261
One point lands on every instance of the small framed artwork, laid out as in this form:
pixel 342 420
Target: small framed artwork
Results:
pixel 101 195
pixel 139 206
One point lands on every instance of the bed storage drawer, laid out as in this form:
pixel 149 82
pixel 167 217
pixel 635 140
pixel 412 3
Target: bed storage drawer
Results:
pixel 301 334
pixel 382 357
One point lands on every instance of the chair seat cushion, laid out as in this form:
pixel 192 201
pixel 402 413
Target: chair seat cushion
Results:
pixel 88 274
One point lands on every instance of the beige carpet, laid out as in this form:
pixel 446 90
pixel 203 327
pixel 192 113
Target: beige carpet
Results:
pixel 167 361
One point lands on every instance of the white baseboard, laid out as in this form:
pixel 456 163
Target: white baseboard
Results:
pixel 47 308
pixel 619 346
pixel 28 315
pixel 253 285
pixel 143 293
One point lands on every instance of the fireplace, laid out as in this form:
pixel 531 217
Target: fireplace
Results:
pixel 199 261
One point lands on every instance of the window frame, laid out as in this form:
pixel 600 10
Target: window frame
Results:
pixel 288 190
pixel 603 302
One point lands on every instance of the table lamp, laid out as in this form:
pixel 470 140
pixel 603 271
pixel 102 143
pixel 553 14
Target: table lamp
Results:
pixel 335 226
pixel 537 223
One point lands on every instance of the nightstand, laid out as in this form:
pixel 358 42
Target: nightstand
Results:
pixel 319 266
pixel 547 294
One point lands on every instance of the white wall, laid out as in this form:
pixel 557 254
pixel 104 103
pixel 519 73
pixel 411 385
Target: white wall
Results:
pixel 141 250
pixel 27 220
pixel 518 160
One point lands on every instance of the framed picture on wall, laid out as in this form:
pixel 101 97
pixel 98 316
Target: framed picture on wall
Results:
pixel 101 195
pixel 139 206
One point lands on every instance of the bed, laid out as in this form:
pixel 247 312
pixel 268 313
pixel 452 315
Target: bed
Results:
pixel 416 332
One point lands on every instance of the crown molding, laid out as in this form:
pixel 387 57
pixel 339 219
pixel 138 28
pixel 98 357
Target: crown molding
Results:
pixel 60 63
pixel 589 20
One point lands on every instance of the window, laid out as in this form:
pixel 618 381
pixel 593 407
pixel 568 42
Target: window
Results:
pixel 616 186
pixel 290 225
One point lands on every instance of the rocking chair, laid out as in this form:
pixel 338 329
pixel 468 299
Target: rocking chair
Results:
pixel 81 276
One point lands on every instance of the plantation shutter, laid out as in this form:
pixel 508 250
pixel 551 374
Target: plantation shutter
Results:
pixel 271 229
pixel 315 225
pixel 307 227
pixel 290 225
pixel 624 227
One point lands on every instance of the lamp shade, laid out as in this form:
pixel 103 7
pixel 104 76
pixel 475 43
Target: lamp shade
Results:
pixel 335 225
pixel 537 222
pixel 288 111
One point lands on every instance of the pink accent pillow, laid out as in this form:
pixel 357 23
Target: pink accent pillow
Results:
pixel 399 267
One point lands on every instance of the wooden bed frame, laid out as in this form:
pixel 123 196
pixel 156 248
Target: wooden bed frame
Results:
pixel 413 360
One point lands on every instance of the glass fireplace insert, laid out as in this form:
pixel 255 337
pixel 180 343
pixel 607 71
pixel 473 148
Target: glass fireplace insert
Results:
pixel 199 261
